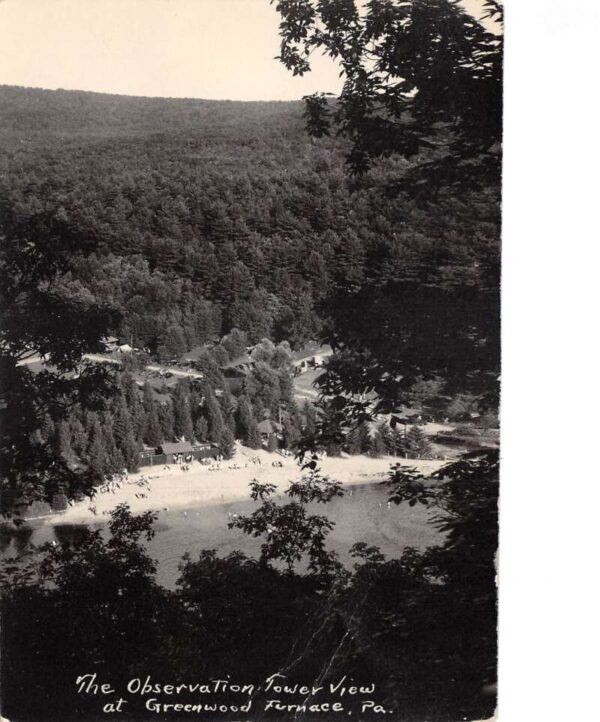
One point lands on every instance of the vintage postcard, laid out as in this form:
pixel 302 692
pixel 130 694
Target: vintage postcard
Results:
pixel 250 359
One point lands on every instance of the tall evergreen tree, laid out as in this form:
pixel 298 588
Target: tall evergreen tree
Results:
pixel 310 418
pixel 97 462
pixel 115 460
pixel 183 427
pixel 226 442
pixel 124 433
pixel 416 442
pixel 152 434
pixel 352 442
pixel 201 429
pixel 246 426
pixel 134 406
pixel 47 428
pixel 62 441
pixel 228 410
pixel 213 415
pixel 79 439
pixel 382 439
pixel 364 434
pixel 396 442
pixel 166 419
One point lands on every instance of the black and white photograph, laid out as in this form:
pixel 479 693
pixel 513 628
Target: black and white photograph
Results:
pixel 250 257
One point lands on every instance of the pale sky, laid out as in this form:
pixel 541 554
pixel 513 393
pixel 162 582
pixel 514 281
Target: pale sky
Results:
pixel 219 49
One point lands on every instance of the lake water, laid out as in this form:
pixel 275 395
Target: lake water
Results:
pixel 361 514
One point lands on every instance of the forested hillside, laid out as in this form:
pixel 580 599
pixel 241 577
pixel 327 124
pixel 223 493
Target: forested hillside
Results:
pixel 212 214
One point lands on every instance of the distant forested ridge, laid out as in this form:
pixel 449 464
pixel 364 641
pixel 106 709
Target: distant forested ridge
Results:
pixel 209 215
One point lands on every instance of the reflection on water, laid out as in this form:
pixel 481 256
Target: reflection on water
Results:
pixel 15 540
pixel 69 533
pixel 362 514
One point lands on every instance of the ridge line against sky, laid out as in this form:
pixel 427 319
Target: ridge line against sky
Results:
pixel 209 49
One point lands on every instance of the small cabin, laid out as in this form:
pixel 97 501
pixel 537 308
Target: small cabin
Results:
pixel 110 343
pixel 173 452
pixel 239 367
pixel 269 428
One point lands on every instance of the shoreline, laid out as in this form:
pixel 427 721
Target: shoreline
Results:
pixel 168 487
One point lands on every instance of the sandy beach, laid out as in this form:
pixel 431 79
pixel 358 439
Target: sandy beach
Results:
pixel 160 488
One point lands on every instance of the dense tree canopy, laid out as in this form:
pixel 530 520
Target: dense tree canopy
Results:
pixel 207 216
pixel 43 315
pixel 422 79
pixel 422 83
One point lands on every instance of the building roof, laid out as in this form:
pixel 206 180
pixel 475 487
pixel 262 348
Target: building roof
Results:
pixel 240 361
pixel 195 353
pixel 179 447
pixel 269 427
pixel 162 398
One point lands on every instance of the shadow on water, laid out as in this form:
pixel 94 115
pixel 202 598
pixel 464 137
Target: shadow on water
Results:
pixel 70 533
pixel 15 539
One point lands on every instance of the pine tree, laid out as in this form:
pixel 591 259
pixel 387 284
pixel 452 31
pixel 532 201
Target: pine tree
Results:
pixel 416 442
pixel 310 416
pixel 134 406
pixel 96 454
pixel 226 442
pixel 124 434
pixel 79 438
pixel 114 457
pixel 201 429
pixel 62 441
pixel 47 428
pixel 183 427
pixel 364 438
pixel 286 387
pixel 246 426
pixel 166 419
pixel 228 410
pixel 152 432
pixel 254 439
pixel 117 461
pixel 396 442
pixel 358 440
pixel 381 440
pixel 352 442
pixel 214 417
